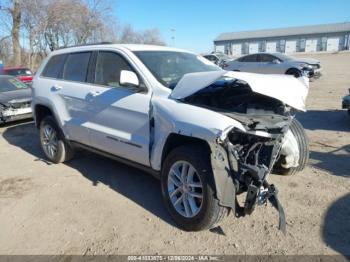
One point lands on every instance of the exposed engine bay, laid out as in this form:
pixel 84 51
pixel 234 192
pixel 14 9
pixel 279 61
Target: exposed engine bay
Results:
pixel 252 154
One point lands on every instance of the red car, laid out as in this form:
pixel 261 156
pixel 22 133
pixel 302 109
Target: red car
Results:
pixel 22 73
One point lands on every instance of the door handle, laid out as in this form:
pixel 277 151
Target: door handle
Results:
pixel 94 93
pixel 56 88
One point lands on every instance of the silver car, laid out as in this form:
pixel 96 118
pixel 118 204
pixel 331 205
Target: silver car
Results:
pixel 276 63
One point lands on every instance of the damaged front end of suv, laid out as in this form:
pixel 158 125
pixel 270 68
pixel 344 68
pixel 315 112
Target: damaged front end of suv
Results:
pixel 243 156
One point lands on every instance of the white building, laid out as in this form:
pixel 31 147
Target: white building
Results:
pixel 315 38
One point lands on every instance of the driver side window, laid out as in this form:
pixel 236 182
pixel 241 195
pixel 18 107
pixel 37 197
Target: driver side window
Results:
pixel 108 68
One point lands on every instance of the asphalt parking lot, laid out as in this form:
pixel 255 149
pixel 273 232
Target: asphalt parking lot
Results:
pixel 93 205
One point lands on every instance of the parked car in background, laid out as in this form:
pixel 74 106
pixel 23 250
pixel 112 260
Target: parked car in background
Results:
pixel 15 99
pixel 346 102
pixel 22 73
pixel 276 63
pixel 207 133
pixel 218 58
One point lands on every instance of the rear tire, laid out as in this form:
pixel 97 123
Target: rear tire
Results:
pixel 53 143
pixel 303 145
pixel 209 213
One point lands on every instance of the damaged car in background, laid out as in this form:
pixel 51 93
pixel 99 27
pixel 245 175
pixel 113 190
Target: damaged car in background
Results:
pixel 15 99
pixel 276 63
pixel 208 134
pixel 346 102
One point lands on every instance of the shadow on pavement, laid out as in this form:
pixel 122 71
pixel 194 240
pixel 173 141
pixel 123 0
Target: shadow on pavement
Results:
pixel 337 161
pixel 132 183
pixel 333 120
pixel 336 228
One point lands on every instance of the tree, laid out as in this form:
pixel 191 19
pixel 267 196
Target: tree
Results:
pixel 151 37
pixel 13 9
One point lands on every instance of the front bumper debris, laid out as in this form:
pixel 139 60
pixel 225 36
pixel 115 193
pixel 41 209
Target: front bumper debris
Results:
pixel 12 114
pixel 250 165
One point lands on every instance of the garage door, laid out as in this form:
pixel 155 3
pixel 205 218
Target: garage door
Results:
pixel 311 45
pixel 333 44
pixel 271 47
pixel 253 48
pixel 291 46
pixel 220 48
pixel 236 49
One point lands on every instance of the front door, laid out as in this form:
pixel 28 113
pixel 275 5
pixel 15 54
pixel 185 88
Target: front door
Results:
pixel 119 122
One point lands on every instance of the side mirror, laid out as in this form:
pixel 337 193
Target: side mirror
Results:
pixel 275 61
pixel 129 78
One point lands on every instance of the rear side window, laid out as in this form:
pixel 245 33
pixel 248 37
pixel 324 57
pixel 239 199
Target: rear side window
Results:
pixel 250 58
pixel 54 66
pixel 266 58
pixel 76 67
pixel 108 68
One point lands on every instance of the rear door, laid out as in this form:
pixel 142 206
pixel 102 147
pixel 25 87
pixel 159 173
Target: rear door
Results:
pixel 119 122
pixel 69 91
pixel 249 63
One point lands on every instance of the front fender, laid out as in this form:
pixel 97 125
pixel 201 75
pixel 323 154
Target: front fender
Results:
pixel 174 117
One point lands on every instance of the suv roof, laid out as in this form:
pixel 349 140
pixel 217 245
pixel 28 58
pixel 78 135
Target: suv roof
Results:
pixel 131 47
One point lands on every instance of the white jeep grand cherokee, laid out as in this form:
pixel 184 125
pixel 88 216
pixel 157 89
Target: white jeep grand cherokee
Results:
pixel 208 134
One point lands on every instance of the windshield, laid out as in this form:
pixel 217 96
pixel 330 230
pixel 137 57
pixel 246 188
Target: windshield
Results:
pixel 169 67
pixel 10 84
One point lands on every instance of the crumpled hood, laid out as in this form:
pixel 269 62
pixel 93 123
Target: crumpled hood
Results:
pixel 288 89
pixel 306 60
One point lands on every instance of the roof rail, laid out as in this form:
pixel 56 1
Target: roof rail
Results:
pixel 99 43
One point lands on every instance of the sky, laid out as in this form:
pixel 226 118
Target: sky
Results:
pixel 198 22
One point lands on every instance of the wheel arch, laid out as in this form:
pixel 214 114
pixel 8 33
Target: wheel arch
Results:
pixel 292 69
pixel 175 140
pixel 221 180
pixel 41 111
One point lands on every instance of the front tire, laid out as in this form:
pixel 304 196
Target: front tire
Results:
pixel 188 190
pixel 304 150
pixel 53 143
pixel 294 72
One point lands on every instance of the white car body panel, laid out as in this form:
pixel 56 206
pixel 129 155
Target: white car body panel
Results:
pixel 175 117
pixel 287 89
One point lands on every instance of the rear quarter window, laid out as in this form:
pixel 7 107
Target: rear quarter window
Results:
pixel 54 66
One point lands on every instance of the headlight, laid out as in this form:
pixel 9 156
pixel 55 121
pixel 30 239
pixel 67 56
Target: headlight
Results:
pixel 305 66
